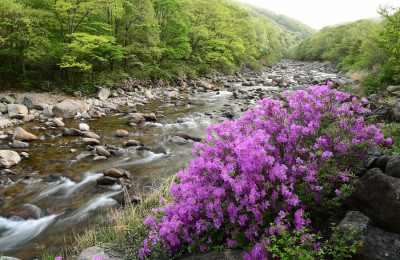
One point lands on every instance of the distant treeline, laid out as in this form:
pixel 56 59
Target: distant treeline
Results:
pixel 77 44
pixel 367 49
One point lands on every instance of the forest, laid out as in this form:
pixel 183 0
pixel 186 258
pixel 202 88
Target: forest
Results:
pixel 369 51
pixel 78 44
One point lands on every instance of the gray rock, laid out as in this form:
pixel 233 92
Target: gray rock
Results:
pixel 377 195
pixel 69 108
pixel 33 103
pixel 3 108
pixel 196 101
pixel 103 93
pixel 9 158
pixel 22 135
pixel 179 140
pixel 136 118
pixel 48 111
pixel 71 132
pixel 131 143
pixel 393 166
pixel 376 243
pixel 103 251
pixel 7 99
pixel 117 152
pixel 18 144
pixel 17 111
pixel 248 83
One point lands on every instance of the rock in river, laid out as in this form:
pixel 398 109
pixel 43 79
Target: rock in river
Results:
pixel 179 140
pixel 91 141
pixel 9 158
pixel 113 173
pixel 102 151
pixel 22 135
pixel 106 180
pixel 121 133
pixel 84 127
pixel 71 132
pixel 197 101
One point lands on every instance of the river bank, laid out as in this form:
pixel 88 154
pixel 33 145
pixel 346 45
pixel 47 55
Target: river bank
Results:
pixel 53 189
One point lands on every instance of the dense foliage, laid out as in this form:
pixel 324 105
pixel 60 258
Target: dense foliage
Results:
pixel 290 31
pixel 370 48
pixel 83 43
pixel 260 182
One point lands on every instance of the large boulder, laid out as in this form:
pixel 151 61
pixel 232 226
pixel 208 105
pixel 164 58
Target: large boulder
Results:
pixel 33 103
pixel 69 108
pixel 376 243
pixel 22 135
pixel 377 195
pixel 17 111
pixel 103 93
pixel 9 158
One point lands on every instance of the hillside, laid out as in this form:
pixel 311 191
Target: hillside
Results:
pixel 291 31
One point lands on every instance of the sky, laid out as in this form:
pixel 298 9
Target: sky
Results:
pixel 320 13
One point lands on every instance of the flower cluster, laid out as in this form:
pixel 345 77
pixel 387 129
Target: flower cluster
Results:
pixel 261 174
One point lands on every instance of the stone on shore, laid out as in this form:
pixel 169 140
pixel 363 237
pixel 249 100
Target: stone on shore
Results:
pixel 33 103
pixel 103 93
pixel 9 158
pixel 69 108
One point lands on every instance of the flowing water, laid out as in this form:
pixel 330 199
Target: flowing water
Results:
pixel 73 202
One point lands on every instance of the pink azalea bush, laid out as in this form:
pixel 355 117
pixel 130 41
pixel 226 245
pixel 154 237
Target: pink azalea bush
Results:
pixel 266 173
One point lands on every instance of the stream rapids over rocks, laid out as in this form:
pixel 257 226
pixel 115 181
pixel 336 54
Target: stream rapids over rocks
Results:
pixel 54 191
